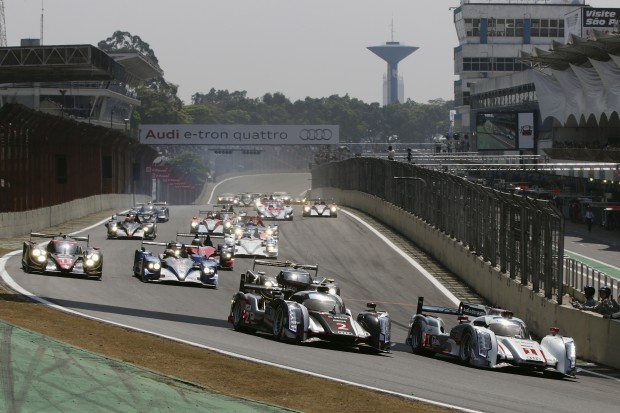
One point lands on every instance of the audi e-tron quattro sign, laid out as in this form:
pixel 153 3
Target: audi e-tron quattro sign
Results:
pixel 239 134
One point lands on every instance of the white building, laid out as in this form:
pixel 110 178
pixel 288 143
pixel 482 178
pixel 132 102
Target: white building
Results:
pixel 493 33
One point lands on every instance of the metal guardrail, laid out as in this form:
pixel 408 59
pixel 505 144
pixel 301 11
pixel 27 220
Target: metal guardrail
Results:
pixel 521 236
pixel 578 275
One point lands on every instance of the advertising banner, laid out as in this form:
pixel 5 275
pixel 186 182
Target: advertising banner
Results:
pixel 239 134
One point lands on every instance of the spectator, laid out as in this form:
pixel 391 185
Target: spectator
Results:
pixel 391 153
pixel 409 155
pixel 589 218
pixel 588 291
pixel 606 306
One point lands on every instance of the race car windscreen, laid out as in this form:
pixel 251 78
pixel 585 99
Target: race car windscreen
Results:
pixel 508 329
pixel 64 247
pixel 297 279
pixel 324 303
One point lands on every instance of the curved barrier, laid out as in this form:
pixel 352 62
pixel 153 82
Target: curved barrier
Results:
pixel 596 337
pixel 19 223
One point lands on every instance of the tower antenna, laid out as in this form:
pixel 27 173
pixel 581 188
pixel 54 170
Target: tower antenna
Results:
pixel 2 25
pixel 41 23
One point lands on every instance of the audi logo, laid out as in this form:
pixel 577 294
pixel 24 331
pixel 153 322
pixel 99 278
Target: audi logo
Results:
pixel 315 134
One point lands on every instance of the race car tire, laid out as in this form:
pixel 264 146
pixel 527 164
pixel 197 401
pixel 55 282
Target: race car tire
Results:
pixel 279 323
pixel 237 312
pixel 143 277
pixel 416 338
pixel 467 348
pixel 27 268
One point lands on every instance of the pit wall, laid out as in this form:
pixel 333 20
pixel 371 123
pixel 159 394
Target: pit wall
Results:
pixel 596 338
pixel 13 224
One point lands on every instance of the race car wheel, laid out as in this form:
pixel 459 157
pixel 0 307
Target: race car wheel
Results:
pixel 237 316
pixel 26 267
pixel 143 277
pixel 279 323
pixel 416 338
pixel 467 348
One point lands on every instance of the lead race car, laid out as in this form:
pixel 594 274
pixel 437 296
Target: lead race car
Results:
pixel 490 338
pixel 307 316
pixel 179 263
pixel 158 210
pixel 63 254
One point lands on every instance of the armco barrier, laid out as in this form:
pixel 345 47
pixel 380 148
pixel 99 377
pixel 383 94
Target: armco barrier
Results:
pixel 596 338
pixel 14 224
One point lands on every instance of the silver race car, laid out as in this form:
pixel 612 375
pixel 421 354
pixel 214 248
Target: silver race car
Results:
pixel 275 210
pixel 252 242
pixel 491 338
pixel 131 227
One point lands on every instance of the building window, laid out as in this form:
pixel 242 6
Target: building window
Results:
pixel 472 27
pixel 547 28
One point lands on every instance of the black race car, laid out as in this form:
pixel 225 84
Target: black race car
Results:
pixel 308 316
pixel 63 254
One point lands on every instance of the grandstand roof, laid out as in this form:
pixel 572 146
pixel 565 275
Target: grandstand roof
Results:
pixel 73 63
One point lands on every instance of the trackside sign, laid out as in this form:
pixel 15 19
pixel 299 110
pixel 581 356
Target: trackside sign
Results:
pixel 239 134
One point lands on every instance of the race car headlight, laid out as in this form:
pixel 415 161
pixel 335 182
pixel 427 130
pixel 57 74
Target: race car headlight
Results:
pixel 238 231
pixel 113 227
pixel 92 258
pixel 37 252
pixel 269 231
pixel 194 224
pixel 227 225
pixel 571 353
pixel 154 266
pixel 307 208
pixel 228 255
pixel 208 270
pixel 333 209
pixel 41 258
pixel 268 284
pixel 90 262
pixel 177 252
pixel 332 290
pixel 484 343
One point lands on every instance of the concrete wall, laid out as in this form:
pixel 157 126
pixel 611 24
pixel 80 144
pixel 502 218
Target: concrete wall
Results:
pixel 597 338
pixel 14 224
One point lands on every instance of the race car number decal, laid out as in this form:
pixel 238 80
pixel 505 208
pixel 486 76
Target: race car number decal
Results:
pixel 342 326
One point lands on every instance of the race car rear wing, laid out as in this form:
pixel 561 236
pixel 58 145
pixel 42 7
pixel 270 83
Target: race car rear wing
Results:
pixel 75 238
pixel 284 264
pixel 467 309
pixel 160 203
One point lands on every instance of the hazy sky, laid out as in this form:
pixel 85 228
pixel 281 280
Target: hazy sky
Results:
pixel 300 48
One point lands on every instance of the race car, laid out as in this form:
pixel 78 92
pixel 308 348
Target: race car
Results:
pixel 130 226
pixel 291 277
pixel 319 208
pixel 283 197
pixel 248 199
pixel 250 243
pixel 207 222
pixel 490 338
pixel 144 213
pixel 63 254
pixel 273 210
pixel 202 244
pixel 308 316
pixel 227 198
pixel 248 223
pixel 179 263
pixel 159 210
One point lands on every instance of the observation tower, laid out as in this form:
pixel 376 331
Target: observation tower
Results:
pixel 392 52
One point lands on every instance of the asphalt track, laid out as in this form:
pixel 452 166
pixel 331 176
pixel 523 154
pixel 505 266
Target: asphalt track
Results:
pixel 368 269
